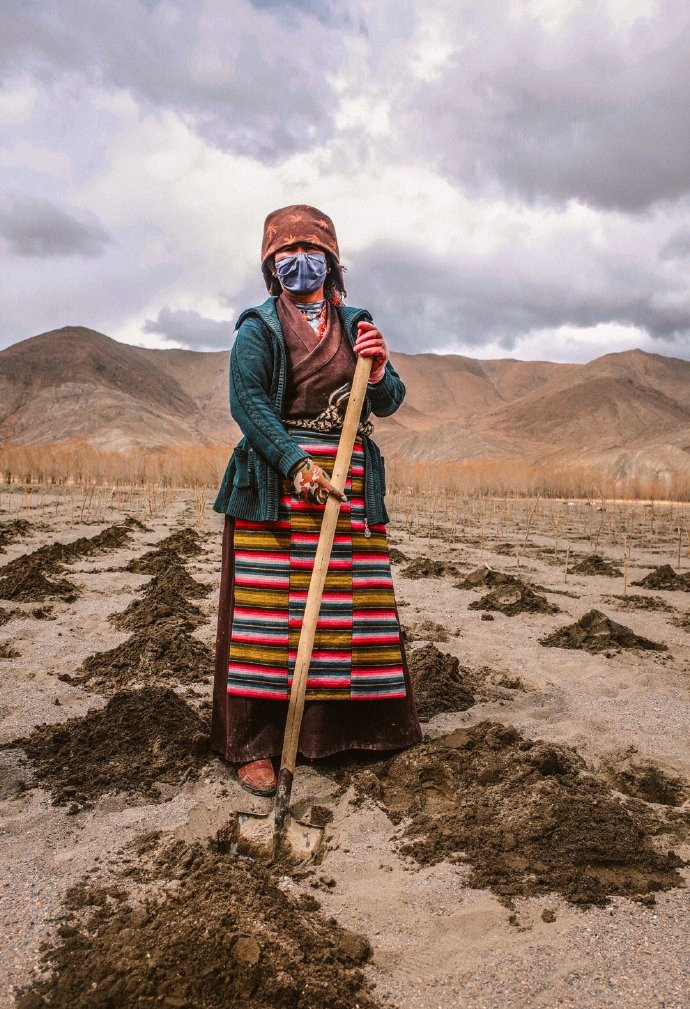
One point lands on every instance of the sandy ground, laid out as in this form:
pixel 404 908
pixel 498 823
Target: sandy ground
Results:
pixel 436 941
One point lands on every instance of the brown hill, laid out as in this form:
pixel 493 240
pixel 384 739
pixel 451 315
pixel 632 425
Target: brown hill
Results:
pixel 75 382
pixel 628 412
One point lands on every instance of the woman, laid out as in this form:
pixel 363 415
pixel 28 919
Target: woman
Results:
pixel 291 369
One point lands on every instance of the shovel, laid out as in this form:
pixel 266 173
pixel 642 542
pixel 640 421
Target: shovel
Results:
pixel 279 827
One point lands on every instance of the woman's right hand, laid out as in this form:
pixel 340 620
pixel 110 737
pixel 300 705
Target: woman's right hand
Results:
pixel 312 484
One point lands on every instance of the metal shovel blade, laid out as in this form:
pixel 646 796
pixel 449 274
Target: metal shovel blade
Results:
pixel 301 838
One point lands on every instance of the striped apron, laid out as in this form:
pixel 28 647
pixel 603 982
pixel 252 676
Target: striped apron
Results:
pixel 357 651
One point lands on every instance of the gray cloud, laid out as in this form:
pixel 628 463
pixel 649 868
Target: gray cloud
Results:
pixel 677 246
pixel 33 227
pixel 423 301
pixel 325 11
pixel 243 78
pixel 589 110
pixel 191 329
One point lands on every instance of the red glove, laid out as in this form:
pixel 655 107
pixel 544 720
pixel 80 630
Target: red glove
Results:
pixel 312 484
pixel 370 343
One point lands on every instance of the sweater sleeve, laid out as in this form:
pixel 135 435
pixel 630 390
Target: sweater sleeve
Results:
pixel 251 366
pixel 386 395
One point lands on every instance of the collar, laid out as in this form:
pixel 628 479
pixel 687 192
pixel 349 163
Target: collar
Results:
pixel 266 311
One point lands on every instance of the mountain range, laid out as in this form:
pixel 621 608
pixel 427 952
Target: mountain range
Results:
pixel 625 413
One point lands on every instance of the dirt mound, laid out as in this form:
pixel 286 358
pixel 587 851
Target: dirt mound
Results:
pixel 164 598
pixel 397 556
pixel 525 814
pixel 512 598
pixel 31 576
pixel 160 652
pixel 665 577
pixel 221 933
pixel 27 583
pixel 637 602
pixel 175 579
pixel 644 779
pixel 425 630
pixel 111 538
pixel 486 577
pixel 12 530
pixel 182 543
pixel 437 682
pixel 162 647
pixel 595 564
pixel 595 632
pixel 505 549
pixel 427 567
pixel 139 738
pixel 8 651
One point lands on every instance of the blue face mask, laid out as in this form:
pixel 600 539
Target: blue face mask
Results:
pixel 302 273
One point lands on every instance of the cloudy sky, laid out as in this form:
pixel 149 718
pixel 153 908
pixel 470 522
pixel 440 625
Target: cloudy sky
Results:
pixel 508 178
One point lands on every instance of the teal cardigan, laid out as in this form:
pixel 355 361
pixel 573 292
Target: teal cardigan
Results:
pixel 251 484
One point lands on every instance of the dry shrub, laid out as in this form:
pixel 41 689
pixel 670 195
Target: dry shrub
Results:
pixel 74 461
pixel 201 465
pixel 504 477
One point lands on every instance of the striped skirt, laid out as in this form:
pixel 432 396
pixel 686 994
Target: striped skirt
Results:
pixel 357 654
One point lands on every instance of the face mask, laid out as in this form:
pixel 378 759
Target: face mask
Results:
pixel 303 273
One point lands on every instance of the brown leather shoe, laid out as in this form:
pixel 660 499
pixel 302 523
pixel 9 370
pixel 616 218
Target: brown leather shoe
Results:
pixel 258 777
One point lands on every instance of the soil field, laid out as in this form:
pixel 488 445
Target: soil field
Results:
pixel 533 851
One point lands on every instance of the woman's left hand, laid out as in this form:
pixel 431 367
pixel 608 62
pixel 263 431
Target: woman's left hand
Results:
pixel 370 343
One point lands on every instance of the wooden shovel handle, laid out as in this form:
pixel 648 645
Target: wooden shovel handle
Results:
pixel 316 584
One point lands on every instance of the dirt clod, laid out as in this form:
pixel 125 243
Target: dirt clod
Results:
pixel 595 632
pixel 640 602
pixel 43 612
pixel 320 816
pixel 438 682
pixel 664 577
pixel 512 598
pixel 425 630
pixel 595 564
pixel 645 779
pixel 505 549
pixel 525 815
pixel 511 682
pixel 8 651
pixel 228 935
pixel 397 556
pixel 139 738
pixel 486 577
pixel 12 530
pixel 428 567
pixel 683 620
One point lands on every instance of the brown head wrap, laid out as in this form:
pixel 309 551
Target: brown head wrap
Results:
pixel 299 223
